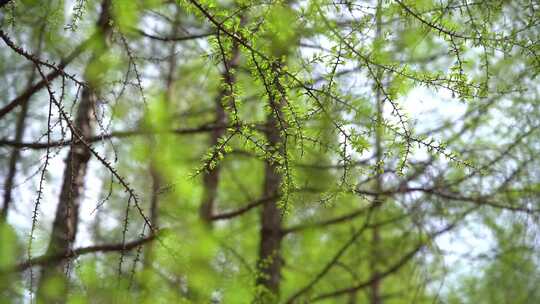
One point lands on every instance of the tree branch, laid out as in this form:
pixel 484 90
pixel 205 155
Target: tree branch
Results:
pixel 104 248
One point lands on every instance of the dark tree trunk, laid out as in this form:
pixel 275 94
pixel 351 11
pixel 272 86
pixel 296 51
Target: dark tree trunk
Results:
pixel 270 259
pixel 19 135
pixel 53 281
pixel 211 178
pixel 154 214
pixel 66 219
pixel 14 157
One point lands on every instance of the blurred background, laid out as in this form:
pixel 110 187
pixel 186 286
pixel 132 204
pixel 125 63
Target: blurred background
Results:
pixel 202 151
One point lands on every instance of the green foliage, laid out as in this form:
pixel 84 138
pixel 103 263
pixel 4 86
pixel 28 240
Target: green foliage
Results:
pixel 296 125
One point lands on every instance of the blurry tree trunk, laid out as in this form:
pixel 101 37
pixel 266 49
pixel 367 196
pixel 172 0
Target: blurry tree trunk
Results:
pixel 211 177
pixel 269 264
pixel 66 219
pixel 270 261
pixel 157 180
pixel 375 237
pixel 375 285
pixel 352 298
pixel 14 156
pixel 19 134
pixel 53 282
pixel 154 213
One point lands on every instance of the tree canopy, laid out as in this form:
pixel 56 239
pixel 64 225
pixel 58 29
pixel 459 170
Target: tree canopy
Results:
pixel 202 151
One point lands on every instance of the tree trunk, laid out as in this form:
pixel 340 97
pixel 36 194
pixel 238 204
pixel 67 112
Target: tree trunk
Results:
pixel 211 177
pixel 52 286
pixel 270 260
pixel 14 157
pixel 156 176
pixel 53 281
pixel 19 135
pixel 375 292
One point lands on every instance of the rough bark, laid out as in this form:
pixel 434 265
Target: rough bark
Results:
pixel 53 281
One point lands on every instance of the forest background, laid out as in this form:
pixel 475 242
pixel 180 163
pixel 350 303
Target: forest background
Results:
pixel 247 151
